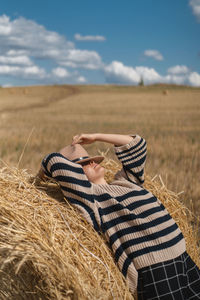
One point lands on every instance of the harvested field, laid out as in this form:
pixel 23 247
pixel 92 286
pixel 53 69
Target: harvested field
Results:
pixel 168 117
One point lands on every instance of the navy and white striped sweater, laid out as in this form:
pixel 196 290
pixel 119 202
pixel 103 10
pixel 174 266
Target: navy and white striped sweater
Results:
pixel 136 224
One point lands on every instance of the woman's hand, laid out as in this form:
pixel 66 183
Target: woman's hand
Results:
pixel 115 139
pixel 41 174
pixel 84 139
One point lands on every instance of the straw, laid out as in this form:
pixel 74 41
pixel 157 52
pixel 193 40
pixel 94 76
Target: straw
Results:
pixel 48 251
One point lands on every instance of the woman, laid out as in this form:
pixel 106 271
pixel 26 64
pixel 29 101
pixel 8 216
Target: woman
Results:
pixel 149 247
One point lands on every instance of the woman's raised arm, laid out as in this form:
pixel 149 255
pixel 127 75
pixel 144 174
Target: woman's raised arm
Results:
pixel 115 139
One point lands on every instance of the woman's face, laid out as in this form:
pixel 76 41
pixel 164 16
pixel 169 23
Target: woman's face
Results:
pixel 93 171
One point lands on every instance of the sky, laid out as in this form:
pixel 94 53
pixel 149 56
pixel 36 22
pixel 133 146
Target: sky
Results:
pixel 99 42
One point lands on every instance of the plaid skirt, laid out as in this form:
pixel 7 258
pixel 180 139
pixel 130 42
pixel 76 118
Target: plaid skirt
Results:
pixel 177 279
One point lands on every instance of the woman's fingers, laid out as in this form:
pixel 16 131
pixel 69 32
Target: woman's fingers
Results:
pixel 83 139
pixel 77 139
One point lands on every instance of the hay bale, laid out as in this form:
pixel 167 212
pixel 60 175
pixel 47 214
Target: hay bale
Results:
pixel 43 237
pixel 47 251
pixel 25 91
pixel 165 92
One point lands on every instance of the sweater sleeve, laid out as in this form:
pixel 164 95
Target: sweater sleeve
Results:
pixel 73 183
pixel 133 157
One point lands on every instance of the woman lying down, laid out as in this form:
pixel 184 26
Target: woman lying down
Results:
pixel 148 246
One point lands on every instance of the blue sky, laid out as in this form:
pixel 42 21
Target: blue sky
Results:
pixel 99 42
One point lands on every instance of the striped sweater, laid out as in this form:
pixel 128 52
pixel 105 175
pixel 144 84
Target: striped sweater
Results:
pixel 137 226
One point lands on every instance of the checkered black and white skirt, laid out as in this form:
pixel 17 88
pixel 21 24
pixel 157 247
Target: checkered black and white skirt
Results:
pixel 176 279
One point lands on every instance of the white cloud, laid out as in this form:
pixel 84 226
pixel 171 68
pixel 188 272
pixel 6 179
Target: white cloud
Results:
pixel 174 79
pixel 195 5
pixel 81 79
pixel 178 70
pixel 25 37
pixel 35 39
pixel 154 54
pixel 25 72
pixel 194 79
pixel 34 70
pixel 16 60
pixel 17 52
pixel 117 72
pixel 81 59
pixel 5 28
pixel 149 75
pixel 9 70
pixel 60 72
pixel 97 38
pixel 25 43
pixel 61 75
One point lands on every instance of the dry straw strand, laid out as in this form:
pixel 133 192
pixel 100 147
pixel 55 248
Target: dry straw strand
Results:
pixel 20 158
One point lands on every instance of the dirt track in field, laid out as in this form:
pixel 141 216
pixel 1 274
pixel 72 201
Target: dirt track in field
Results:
pixel 63 93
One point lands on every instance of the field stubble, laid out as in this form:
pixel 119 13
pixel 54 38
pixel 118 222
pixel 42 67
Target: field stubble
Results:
pixel 48 117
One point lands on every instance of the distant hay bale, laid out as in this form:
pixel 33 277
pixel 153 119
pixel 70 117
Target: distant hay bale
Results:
pixel 47 251
pixel 166 92
pixel 25 91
